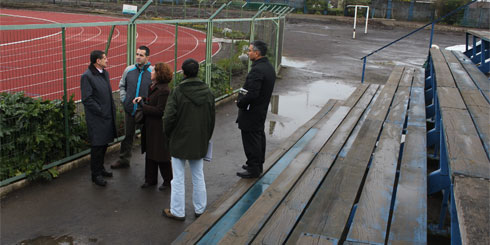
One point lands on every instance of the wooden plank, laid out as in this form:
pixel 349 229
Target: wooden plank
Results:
pixel 255 217
pixel 465 150
pixel 407 78
pixel 288 212
pixel 478 77
pixel 450 98
pixel 337 193
pixel 215 211
pixel 480 33
pixel 409 220
pixel 371 219
pixel 394 78
pixel 314 239
pixel 418 78
pixel 354 97
pixel 463 80
pixel 472 199
pixel 443 75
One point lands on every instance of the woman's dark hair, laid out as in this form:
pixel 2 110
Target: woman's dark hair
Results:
pixel 163 73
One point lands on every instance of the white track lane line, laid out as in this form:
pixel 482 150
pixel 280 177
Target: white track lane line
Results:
pixel 59 54
pixel 113 67
pixel 57 70
pixel 28 17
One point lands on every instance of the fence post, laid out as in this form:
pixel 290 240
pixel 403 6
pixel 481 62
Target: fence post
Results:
pixel 108 45
pixel 388 11
pixel 252 30
pixel 65 93
pixel 175 53
pixel 209 43
pixel 410 10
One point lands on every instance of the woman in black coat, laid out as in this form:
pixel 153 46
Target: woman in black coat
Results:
pixel 153 140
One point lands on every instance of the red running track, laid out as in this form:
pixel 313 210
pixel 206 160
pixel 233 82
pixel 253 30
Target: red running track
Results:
pixel 32 60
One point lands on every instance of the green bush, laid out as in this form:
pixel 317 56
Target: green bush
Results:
pixel 443 7
pixel 32 134
pixel 220 82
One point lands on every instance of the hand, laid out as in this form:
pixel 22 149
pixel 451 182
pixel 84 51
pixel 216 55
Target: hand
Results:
pixel 136 100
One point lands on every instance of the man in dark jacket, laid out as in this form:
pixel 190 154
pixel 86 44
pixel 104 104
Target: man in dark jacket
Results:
pixel 189 123
pixel 253 102
pixel 135 81
pixel 100 113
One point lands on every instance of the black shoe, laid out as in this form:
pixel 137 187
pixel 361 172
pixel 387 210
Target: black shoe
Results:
pixel 146 185
pixel 106 173
pixel 245 166
pixel 119 164
pixel 197 215
pixel 248 175
pixel 98 180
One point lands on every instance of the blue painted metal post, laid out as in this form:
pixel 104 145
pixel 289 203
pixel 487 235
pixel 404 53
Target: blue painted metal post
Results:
pixel 473 54
pixel 484 66
pixel 465 16
pixel 388 10
pixel 455 233
pixel 410 10
pixel 431 34
pixel 363 68
pixel 305 10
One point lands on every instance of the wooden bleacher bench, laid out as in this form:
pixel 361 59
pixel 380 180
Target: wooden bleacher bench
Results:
pixel 366 152
pixel 462 97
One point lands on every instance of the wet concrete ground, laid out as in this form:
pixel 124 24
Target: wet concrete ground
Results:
pixel 322 62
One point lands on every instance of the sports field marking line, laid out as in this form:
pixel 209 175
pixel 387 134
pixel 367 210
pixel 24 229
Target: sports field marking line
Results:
pixel 60 53
pixel 70 67
pixel 29 17
pixel 116 78
pixel 56 41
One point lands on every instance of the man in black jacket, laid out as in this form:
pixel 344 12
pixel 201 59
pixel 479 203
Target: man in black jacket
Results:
pixel 100 113
pixel 253 102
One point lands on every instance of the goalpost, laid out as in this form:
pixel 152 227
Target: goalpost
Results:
pixel 355 18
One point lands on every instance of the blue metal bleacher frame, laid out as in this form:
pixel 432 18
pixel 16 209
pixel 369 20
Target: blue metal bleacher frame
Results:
pixel 479 51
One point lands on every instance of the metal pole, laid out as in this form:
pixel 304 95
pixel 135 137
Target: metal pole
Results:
pixel 175 53
pixel 367 17
pixel 355 20
pixel 431 34
pixel 363 68
pixel 209 43
pixel 65 93
pixel 109 40
pixel 278 26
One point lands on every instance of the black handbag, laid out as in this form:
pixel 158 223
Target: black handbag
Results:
pixel 139 117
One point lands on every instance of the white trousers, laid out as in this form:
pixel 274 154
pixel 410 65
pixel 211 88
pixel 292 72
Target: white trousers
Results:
pixel 177 198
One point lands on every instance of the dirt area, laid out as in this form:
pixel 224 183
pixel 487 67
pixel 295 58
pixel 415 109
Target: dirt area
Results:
pixel 320 56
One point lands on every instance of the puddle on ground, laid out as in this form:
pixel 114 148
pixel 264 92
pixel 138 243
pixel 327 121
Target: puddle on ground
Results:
pixel 289 62
pixel 62 240
pixel 290 111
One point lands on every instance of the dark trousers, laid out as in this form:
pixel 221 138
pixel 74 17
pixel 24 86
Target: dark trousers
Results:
pixel 97 154
pixel 254 146
pixel 127 143
pixel 151 171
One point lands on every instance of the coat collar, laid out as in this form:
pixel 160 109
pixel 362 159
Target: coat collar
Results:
pixel 191 79
pixel 261 60
pixel 94 70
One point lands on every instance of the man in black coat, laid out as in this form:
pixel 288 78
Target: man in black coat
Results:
pixel 253 102
pixel 100 113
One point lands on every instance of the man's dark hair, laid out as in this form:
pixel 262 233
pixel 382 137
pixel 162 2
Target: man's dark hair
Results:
pixel 146 49
pixel 260 46
pixel 190 68
pixel 96 54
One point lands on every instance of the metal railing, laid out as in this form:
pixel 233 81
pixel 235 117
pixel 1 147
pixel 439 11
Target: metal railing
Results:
pixel 119 39
pixel 364 58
